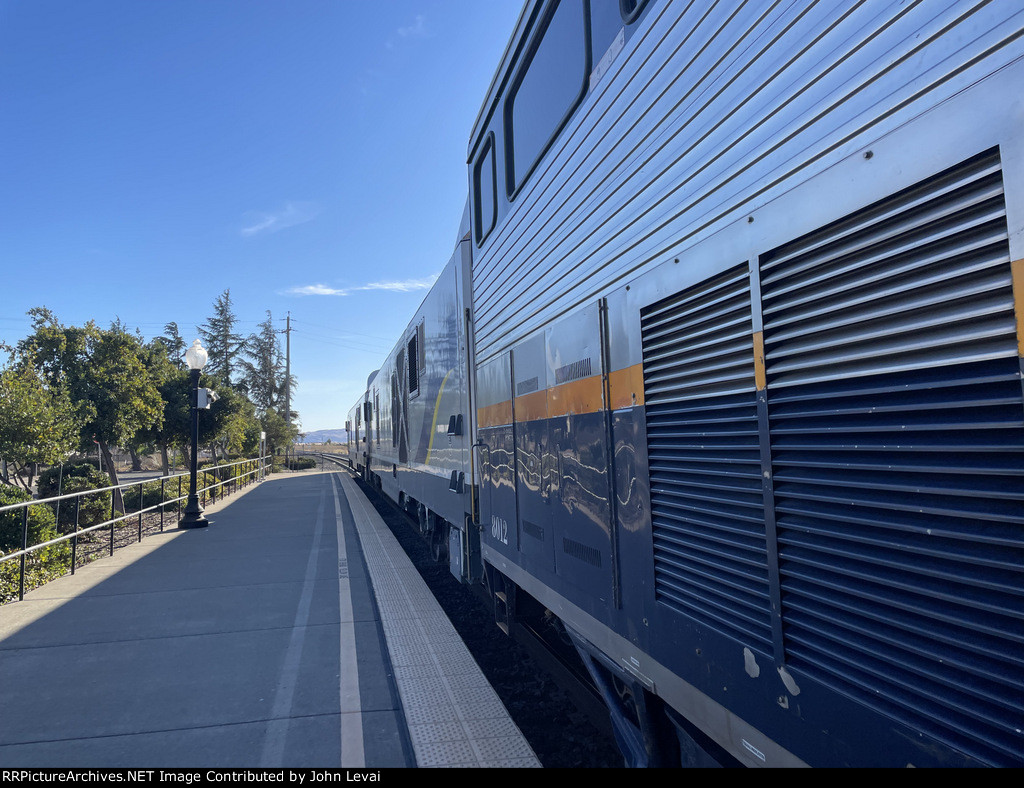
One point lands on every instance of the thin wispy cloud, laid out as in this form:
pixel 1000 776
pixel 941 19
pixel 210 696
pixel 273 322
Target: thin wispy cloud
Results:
pixel 418 29
pixel 399 286
pixel 315 290
pixel 292 214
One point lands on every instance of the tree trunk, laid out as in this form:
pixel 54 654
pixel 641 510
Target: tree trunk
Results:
pixel 18 480
pixel 136 460
pixel 108 460
pixel 164 464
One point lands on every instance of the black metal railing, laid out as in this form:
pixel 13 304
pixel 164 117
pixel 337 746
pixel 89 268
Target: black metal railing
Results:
pixel 212 481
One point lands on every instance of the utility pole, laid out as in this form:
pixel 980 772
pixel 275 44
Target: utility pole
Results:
pixel 288 369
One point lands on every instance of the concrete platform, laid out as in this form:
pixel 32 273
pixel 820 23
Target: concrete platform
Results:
pixel 293 632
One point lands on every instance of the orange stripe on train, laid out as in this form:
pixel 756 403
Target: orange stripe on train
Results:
pixel 576 397
pixel 1017 273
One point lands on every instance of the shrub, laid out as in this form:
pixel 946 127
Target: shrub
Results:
pixel 41 565
pixel 204 479
pixel 147 493
pixel 49 479
pixel 41 525
pixel 92 509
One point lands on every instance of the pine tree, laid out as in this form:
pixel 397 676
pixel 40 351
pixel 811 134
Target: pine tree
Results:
pixel 222 344
pixel 263 369
pixel 174 343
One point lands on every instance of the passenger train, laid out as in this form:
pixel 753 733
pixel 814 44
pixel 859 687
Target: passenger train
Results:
pixel 724 374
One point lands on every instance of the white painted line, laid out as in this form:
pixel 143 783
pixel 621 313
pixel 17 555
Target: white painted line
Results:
pixel 353 752
pixel 280 713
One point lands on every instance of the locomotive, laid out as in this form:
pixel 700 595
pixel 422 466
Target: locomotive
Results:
pixel 724 374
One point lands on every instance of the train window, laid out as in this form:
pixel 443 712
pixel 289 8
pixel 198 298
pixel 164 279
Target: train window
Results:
pixel 550 83
pixel 421 332
pixel 485 191
pixel 376 414
pixel 631 9
pixel 606 18
pixel 414 367
pixel 394 406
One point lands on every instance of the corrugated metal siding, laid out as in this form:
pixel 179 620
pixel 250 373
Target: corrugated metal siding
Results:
pixel 716 110
pixel 707 507
pixel 897 441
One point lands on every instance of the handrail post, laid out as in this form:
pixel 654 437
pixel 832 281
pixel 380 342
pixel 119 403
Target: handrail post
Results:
pixel 142 495
pixel 74 539
pixel 112 499
pixel 163 479
pixel 24 547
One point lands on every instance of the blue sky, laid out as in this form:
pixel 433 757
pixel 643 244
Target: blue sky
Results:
pixel 309 155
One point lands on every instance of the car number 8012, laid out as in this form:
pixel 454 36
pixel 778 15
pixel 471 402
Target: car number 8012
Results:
pixel 499 529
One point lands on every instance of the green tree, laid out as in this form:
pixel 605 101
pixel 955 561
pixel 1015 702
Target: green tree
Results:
pixel 263 368
pixel 176 430
pixel 224 426
pixel 174 344
pixel 104 374
pixel 38 425
pixel 280 433
pixel 223 344
pixel 172 383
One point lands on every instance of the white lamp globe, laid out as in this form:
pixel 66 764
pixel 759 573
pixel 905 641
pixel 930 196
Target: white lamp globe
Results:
pixel 195 356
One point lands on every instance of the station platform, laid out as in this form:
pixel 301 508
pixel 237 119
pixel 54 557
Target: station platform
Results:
pixel 292 632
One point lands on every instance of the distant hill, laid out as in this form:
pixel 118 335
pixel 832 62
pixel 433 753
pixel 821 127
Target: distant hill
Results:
pixel 321 436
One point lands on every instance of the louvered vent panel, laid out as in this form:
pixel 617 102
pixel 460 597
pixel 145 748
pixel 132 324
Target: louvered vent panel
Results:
pixel 897 437
pixel 706 493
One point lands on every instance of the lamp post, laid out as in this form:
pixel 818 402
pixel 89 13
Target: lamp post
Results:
pixel 195 358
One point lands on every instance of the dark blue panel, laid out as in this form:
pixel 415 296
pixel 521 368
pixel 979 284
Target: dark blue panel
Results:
pixel 583 555
pixel 533 489
pixel 498 491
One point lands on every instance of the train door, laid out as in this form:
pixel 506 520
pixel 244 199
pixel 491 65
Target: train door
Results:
pixel 496 446
pixel 368 453
pixel 376 416
pixel 534 479
pixel 578 436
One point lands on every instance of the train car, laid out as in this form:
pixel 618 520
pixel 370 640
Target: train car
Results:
pixel 357 448
pixel 416 413
pixel 744 342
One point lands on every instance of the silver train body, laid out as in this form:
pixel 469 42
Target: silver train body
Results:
pixel 726 373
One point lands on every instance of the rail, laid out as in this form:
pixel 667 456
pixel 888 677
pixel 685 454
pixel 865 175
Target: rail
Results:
pixel 240 473
pixel 338 459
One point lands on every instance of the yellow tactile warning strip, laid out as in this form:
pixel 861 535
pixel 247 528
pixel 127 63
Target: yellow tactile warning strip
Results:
pixel 1017 274
pixel 576 397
